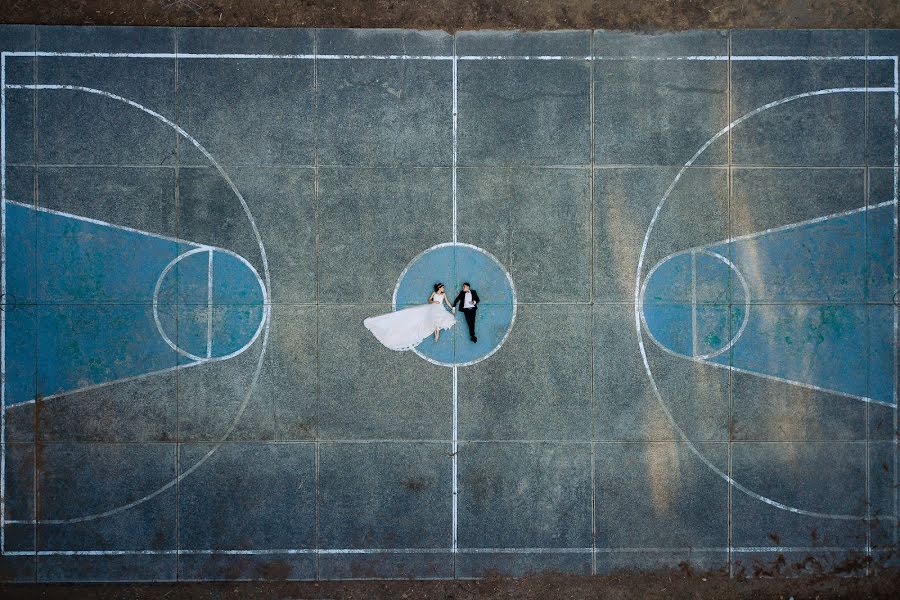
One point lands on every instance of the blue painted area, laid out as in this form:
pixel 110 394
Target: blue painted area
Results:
pixel 670 324
pixel 822 345
pixel 823 261
pixel 880 241
pixel 21 335
pixel 188 280
pixel 881 351
pixel 801 282
pixel 80 345
pixel 96 320
pixel 21 238
pixel 225 311
pixel 452 265
pixel 685 304
pixel 233 326
pixel 80 261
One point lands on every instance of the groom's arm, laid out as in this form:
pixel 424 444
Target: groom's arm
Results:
pixel 458 299
pixel 475 296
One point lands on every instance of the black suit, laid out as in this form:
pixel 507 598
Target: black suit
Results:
pixel 468 312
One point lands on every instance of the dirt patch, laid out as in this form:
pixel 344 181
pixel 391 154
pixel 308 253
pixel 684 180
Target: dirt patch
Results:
pixel 451 15
pixel 649 586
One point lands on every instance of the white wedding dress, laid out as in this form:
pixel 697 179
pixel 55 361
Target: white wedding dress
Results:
pixel 405 329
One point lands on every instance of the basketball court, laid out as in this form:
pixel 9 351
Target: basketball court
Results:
pixel 685 246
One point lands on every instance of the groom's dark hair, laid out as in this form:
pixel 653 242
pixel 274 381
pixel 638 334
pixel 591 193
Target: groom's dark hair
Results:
pixel 466 284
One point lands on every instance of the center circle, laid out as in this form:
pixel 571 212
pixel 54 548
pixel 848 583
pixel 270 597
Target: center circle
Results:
pixel 453 264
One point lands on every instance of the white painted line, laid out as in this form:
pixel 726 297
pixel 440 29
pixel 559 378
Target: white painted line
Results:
pixel 552 57
pixel 695 343
pixel 2 302
pixel 724 57
pixel 809 57
pixel 539 57
pixel 455 144
pixel 105 384
pixel 638 308
pixel 526 550
pixel 382 57
pixel 94 54
pixel 107 224
pixel 699 58
pixel 155 303
pixel 455 451
pixel 752 549
pixel 209 304
pixel 321 551
pixel 232 56
pixel 265 322
pixel 808 386
pixel 240 56
pixel 763 232
pixel 896 288
pixel 592 182
pixel 370 551
pixel 690 549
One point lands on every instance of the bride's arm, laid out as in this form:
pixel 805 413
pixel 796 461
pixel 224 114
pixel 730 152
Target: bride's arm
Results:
pixel 447 302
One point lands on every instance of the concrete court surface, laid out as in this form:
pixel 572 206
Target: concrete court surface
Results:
pixel 693 358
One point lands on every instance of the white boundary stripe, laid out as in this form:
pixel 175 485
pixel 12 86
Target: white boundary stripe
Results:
pixel 454 449
pixel 896 488
pixel 638 308
pixel 538 57
pixel 813 58
pixel 266 307
pixel 352 551
pixel 455 143
pixel 455 464
pixel 695 343
pixel 2 302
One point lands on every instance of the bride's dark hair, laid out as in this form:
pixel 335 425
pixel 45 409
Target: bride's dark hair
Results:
pixel 438 286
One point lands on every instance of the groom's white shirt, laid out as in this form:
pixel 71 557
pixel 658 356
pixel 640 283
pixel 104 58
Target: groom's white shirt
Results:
pixel 467 303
